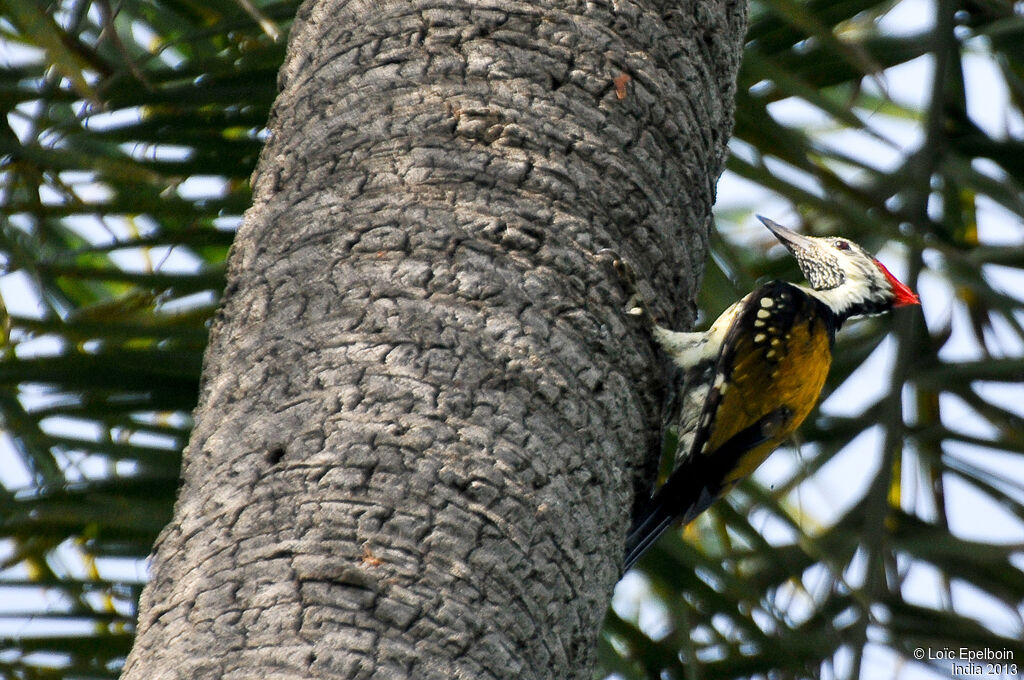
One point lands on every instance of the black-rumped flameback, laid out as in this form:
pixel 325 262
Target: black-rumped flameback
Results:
pixel 758 372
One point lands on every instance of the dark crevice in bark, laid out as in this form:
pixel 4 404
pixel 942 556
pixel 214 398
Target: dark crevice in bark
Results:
pixel 275 454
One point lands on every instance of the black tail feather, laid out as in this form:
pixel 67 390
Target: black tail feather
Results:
pixel 646 532
pixel 694 486
pixel 685 495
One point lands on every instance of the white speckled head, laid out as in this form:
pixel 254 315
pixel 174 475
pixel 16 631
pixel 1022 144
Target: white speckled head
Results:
pixel 844 276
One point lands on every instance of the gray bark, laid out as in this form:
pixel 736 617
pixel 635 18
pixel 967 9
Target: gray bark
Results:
pixel 425 416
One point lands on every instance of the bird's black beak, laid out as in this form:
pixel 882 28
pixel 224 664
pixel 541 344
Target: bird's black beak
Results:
pixel 793 241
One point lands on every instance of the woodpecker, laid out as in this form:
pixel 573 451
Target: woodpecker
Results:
pixel 755 375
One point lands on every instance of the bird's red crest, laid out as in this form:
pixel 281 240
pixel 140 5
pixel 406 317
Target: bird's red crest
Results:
pixel 903 294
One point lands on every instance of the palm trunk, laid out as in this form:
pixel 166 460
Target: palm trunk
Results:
pixel 424 416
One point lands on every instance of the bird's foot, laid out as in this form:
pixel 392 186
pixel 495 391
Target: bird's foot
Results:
pixel 636 305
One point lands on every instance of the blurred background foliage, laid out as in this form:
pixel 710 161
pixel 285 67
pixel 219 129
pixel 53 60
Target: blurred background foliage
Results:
pixel 128 136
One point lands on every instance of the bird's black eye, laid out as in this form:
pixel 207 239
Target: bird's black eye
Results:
pixel 842 245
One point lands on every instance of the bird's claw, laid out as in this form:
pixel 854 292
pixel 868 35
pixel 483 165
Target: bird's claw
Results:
pixel 636 305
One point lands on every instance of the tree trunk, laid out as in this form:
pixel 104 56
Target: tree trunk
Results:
pixel 424 415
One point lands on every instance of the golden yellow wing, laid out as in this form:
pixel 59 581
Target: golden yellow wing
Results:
pixel 770 372
pixel 768 376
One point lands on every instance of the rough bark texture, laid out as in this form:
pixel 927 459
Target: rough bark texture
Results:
pixel 424 416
